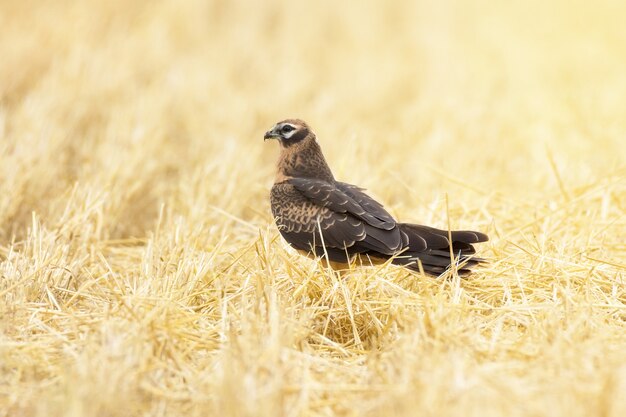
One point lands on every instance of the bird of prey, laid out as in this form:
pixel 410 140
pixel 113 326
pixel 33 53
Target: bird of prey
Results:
pixel 322 217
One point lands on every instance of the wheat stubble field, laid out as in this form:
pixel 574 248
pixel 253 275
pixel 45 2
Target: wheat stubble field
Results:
pixel 141 273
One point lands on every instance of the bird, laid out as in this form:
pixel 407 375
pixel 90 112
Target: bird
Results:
pixel 324 218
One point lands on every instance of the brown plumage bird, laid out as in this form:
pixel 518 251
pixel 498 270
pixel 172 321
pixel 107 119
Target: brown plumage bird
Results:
pixel 322 217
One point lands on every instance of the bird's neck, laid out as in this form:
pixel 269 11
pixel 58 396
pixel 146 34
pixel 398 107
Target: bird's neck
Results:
pixel 303 160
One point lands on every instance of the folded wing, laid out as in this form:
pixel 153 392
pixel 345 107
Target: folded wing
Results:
pixel 347 227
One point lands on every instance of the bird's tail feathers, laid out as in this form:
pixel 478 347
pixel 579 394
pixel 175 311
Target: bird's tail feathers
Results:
pixel 428 249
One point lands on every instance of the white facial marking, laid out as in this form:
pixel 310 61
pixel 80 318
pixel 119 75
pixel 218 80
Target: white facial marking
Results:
pixel 290 133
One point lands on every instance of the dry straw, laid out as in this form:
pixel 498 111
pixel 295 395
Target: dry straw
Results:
pixel 140 270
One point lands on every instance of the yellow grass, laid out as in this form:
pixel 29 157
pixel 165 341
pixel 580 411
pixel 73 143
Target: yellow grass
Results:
pixel 141 273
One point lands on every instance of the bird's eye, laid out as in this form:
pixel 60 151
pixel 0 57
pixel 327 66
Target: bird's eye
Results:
pixel 287 128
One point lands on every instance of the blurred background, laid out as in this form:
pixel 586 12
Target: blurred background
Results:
pixel 150 95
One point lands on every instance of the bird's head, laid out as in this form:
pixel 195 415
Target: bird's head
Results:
pixel 300 155
pixel 289 132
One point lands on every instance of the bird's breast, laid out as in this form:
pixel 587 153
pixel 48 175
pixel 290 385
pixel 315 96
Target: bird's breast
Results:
pixel 292 211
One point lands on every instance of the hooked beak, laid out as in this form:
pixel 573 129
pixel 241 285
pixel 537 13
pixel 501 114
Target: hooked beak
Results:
pixel 271 134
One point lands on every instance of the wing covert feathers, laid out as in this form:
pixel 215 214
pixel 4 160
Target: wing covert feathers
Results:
pixel 338 200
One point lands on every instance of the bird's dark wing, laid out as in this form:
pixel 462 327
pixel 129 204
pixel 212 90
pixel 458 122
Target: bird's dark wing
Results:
pixel 319 216
pixel 368 203
pixel 316 206
pixel 345 198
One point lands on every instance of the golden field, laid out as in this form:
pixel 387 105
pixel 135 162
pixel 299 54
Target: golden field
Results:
pixel 141 273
